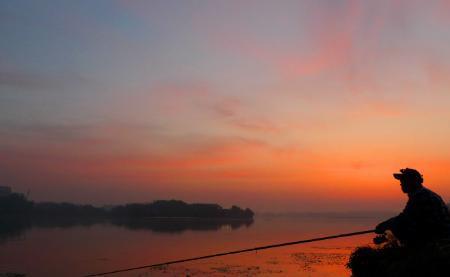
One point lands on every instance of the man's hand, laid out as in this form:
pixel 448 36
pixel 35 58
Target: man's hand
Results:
pixel 381 228
pixel 379 239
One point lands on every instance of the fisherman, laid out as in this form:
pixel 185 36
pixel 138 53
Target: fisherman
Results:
pixel 425 218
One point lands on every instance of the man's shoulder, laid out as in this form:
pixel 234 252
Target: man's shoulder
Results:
pixel 427 194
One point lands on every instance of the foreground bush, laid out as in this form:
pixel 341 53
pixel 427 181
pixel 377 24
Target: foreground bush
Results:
pixel 392 260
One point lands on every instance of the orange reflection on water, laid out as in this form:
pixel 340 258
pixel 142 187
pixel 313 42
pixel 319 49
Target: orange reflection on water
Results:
pixel 77 251
pixel 317 259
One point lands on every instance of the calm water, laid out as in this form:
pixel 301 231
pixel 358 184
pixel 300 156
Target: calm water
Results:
pixel 70 249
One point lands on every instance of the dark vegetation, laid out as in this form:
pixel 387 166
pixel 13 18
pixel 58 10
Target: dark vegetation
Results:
pixel 177 208
pixel 391 259
pixel 429 260
pixel 16 204
pixel 18 214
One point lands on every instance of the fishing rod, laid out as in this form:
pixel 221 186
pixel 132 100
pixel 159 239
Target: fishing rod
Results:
pixel 234 252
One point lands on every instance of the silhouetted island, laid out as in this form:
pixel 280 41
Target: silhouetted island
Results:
pixel 14 204
pixel 178 208
pixel 18 214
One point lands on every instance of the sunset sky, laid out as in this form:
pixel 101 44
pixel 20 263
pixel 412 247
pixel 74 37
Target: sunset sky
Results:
pixel 273 105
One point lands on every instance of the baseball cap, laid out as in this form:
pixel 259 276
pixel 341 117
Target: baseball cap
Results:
pixel 408 173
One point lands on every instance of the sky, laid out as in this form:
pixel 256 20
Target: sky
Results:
pixel 273 105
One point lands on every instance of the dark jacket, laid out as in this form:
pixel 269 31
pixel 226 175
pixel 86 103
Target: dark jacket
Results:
pixel 425 218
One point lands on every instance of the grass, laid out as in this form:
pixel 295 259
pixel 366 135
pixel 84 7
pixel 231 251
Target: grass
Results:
pixel 432 259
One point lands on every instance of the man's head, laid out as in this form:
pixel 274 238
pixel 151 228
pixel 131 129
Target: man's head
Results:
pixel 410 179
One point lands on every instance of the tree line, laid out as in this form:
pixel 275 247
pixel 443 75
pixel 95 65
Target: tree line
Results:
pixel 17 204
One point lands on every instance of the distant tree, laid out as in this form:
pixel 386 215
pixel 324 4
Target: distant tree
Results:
pixel 248 213
pixel 15 204
pixel 178 208
pixel 66 209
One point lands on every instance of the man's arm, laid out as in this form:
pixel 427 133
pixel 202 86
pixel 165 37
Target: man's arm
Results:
pixel 402 225
pixel 390 224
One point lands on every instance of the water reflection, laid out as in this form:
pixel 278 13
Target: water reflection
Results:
pixel 179 225
pixel 16 227
pixel 11 228
pixel 75 247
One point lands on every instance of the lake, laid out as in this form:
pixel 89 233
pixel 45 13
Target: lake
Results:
pixel 67 248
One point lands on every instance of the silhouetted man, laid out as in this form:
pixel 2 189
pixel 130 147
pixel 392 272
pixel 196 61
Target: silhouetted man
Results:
pixel 425 218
